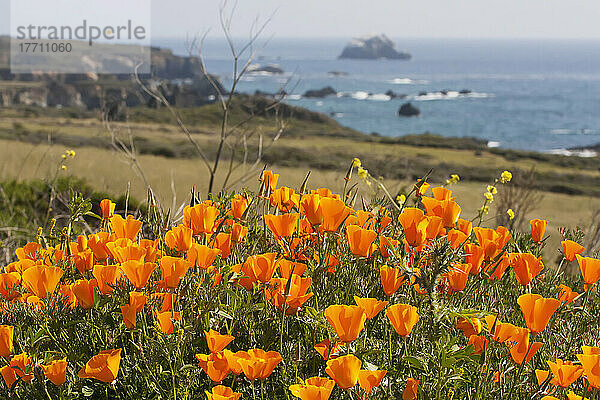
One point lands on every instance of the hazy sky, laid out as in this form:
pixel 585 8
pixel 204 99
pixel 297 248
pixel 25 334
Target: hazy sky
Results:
pixel 397 18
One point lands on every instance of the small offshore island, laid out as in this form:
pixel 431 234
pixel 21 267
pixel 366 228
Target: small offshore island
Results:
pixel 373 47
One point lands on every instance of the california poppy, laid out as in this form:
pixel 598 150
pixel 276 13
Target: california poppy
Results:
pixel 523 350
pixel 106 277
pixel 566 294
pixel 591 367
pixel 565 373
pixel 456 238
pixel 282 225
pixel 125 228
pixel 202 256
pixel 238 232
pixel 104 366
pixel 334 212
pixel 590 270
pixel 217 342
pixel 469 326
pixel 344 370
pixel 387 246
pixel 571 249
pixel 269 180
pixel 201 217
pixel 447 209
pixel 414 224
pixel 537 310
pixel 42 280
pixel 215 365
pixel 292 292
pixel 17 369
pixel 222 393
pixel 165 321
pixel 474 256
pixel 457 276
pixel 83 289
pixel 172 270
pixel 314 388
pixel 411 390
pixel 538 228
pixel 369 380
pixel 492 241
pixel 361 240
pixel 326 351
pixel 285 199
pixel 257 363
pixel 262 265
pixel 526 266
pixel 138 273
pixel 179 238
pixel 56 371
pixel 108 208
pixel 137 300
pixel 8 283
pixel 478 342
pixel 465 226
pixel 6 340
pixel 391 279
pixel 347 321
pixel 239 204
pixel 403 318
pixel 287 268
pixel 372 307
pixel 310 207
pixel 223 242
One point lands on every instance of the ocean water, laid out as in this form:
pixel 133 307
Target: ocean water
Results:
pixel 541 95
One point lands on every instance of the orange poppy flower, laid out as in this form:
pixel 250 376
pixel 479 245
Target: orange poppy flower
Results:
pixel 474 256
pixel 104 366
pixel 414 224
pixel 285 199
pixel 334 212
pixel 269 180
pixel 262 266
pixel 435 227
pixel 173 269
pixel 470 326
pixel 124 250
pixel 239 204
pixel 257 363
pixel 56 371
pixel 165 321
pixel 202 256
pixel 566 294
pixel 542 376
pixel 97 243
pixel 478 342
pixel 465 226
pixel 238 232
pixel 565 373
pixel 215 365
pixel 310 207
pixel 456 238
pixel 591 367
pixel 523 350
pixel 201 217
pixel 537 310
pixel 223 243
pixel 217 342
pixel 282 225
pixel 83 290
pixel 538 228
pixel 106 276
pixel 347 321
pixel 287 268
pixel 458 275
pixel 503 331
pixel 137 300
pixel 371 307
pixel 6 340
pixel 572 396
pixel 387 246
pixel 361 240
pixel 84 261
pixel 526 266
pixel 16 370
pixel 571 249
pixel 326 351
pixel 403 318
pixel 275 292
pixel 125 228
pixel 590 270
pixel 42 280
pixel 8 284
pixel 369 380
pixel 108 208
pixel 492 241
pixel 411 390
pixel 66 291
pixel 222 393
pixel 179 238
pixel 314 388
pixel 138 273
pixel 344 370
pixel 448 210
pixel 164 301
pixel 391 279
pixel 496 270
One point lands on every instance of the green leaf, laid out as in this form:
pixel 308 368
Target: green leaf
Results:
pixel 414 362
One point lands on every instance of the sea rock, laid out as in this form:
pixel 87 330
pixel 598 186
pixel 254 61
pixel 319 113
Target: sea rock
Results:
pixel 373 48
pixel 266 69
pixel 465 91
pixel 394 95
pixel 408 110
pixel 337 73
pixel 320 93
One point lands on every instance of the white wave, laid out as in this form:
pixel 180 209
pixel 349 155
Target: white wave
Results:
pixel 379 97
pixel 319 103
pixel 493 144
pixel 360 95
pixel 407 81
pixel 451 95
pixel 577 153
pixel 562 131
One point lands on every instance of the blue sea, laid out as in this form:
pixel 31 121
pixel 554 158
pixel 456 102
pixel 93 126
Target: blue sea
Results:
pixel 541 95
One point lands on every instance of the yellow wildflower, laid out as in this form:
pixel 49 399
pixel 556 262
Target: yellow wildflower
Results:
pixel 363 173
pixel 492 189
pixel 356 163
pixel 489 196
pixel 510 213
pixel 506 177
